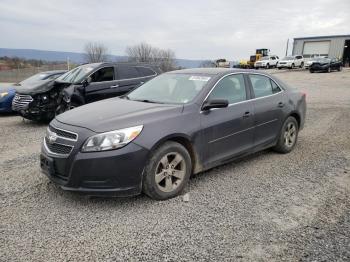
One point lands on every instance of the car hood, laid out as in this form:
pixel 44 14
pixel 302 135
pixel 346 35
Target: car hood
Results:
pixel 35 87
pixel 287 61
pixel 115 113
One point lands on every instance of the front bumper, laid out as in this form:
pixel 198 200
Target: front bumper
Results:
pixel 284 65
pixel 316 67
pixel 116 172
pixel 259 66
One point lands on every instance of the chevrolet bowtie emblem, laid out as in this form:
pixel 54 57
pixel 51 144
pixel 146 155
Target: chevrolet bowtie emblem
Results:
pixel 52 137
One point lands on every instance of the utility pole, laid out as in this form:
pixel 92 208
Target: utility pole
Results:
pixel 287 47
pixel 68 66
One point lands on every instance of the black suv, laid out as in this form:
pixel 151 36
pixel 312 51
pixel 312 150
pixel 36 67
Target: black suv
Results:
pixel 81 85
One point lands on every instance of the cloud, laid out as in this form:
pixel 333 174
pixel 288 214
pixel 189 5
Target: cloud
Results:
pixel 193 29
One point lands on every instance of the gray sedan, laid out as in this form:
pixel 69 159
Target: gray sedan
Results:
pixel 177 124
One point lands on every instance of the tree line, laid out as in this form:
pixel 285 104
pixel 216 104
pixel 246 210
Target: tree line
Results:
pixel 141 53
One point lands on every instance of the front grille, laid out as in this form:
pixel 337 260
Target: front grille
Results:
pixel 282 63
pixel 59 149
pixel 63 133
pixel 21 102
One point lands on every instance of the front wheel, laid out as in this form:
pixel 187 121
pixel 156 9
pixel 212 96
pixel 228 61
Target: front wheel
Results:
pixel 267 66
pixel 167 171
pixel 302 65
pixel 288 136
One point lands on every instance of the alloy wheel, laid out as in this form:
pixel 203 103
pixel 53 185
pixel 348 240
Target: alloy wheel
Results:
pixel 170 172
pixel 290 134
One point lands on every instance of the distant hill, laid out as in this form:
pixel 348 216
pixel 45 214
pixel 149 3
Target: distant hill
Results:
pixel 75 57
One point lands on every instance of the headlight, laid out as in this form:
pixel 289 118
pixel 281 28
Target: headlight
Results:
pixel 111 140
pixel 3 94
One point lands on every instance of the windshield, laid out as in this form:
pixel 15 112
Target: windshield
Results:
pixel 265 58
pixel 35 78
pixel 321 59
pixel 170 88
pixel 75 75
pixel 288 58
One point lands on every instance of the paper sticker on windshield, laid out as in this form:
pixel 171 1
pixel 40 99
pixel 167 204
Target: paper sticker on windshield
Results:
pixel 200 78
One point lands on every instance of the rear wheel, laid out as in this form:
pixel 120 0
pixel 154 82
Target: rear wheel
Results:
pixel 302 65
pixel 288 136
pixel 311 71
pixel 267 66
pixel 167 171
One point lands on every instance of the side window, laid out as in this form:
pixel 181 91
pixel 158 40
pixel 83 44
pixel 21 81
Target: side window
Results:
pixel 231 88
pixel 127 72
pixel 273 58
pixel 103 74
pixel 145 71
pixel 263 86
pixel 275 87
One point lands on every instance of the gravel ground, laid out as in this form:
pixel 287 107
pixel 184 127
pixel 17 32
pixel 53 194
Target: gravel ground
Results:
pixel 266 207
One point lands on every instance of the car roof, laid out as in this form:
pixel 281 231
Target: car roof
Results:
pixel 53 72
pixel 215 71
pixel 120 63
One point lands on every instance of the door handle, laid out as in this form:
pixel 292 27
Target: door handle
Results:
pixel 280 104
pixel 246 114
pixel 114 86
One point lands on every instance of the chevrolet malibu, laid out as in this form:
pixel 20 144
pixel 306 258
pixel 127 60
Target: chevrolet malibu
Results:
pixel 180 123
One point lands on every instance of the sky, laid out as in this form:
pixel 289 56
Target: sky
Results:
pixel 201 29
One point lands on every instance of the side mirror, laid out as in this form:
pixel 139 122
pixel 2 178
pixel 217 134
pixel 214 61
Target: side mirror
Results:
pixel 87 81
pixel 214 103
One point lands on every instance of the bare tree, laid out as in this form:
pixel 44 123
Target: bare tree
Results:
pixel 144 52
pixel 95 52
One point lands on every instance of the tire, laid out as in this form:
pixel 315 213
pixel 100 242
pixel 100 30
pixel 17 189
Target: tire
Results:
pixel 65 107
pixel 311 71
pixel 302 65
pixel 159 181
pixel 339 68
pixel 288 136
pixel 329 69
pixel 267 66
pixel 279 68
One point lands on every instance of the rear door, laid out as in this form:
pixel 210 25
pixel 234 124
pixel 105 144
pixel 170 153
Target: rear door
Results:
pixel 228 132
pixel 269 103
pixel 102 81
pixel 128 79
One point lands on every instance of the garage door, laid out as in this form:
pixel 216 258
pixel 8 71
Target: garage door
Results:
pixel 319 48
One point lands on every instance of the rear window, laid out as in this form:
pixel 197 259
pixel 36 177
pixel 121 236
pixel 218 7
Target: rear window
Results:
pixel 145 71
pixel 127 72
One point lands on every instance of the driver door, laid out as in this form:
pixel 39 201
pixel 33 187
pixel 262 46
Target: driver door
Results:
pixel 228 132
pixel 102 81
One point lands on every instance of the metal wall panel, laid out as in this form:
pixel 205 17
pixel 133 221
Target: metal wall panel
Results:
pixel 336 48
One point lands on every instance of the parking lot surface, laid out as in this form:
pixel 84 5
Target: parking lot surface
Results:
pixel 266 207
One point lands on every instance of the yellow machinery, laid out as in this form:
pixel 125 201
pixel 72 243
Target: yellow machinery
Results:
pixel 259 53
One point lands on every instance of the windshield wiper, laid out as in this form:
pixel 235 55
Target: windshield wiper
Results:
pixel 147 101
pixel 125 96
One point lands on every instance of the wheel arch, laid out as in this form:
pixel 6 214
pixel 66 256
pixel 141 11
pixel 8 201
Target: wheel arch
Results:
pixel 186 142
pixel 297 117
